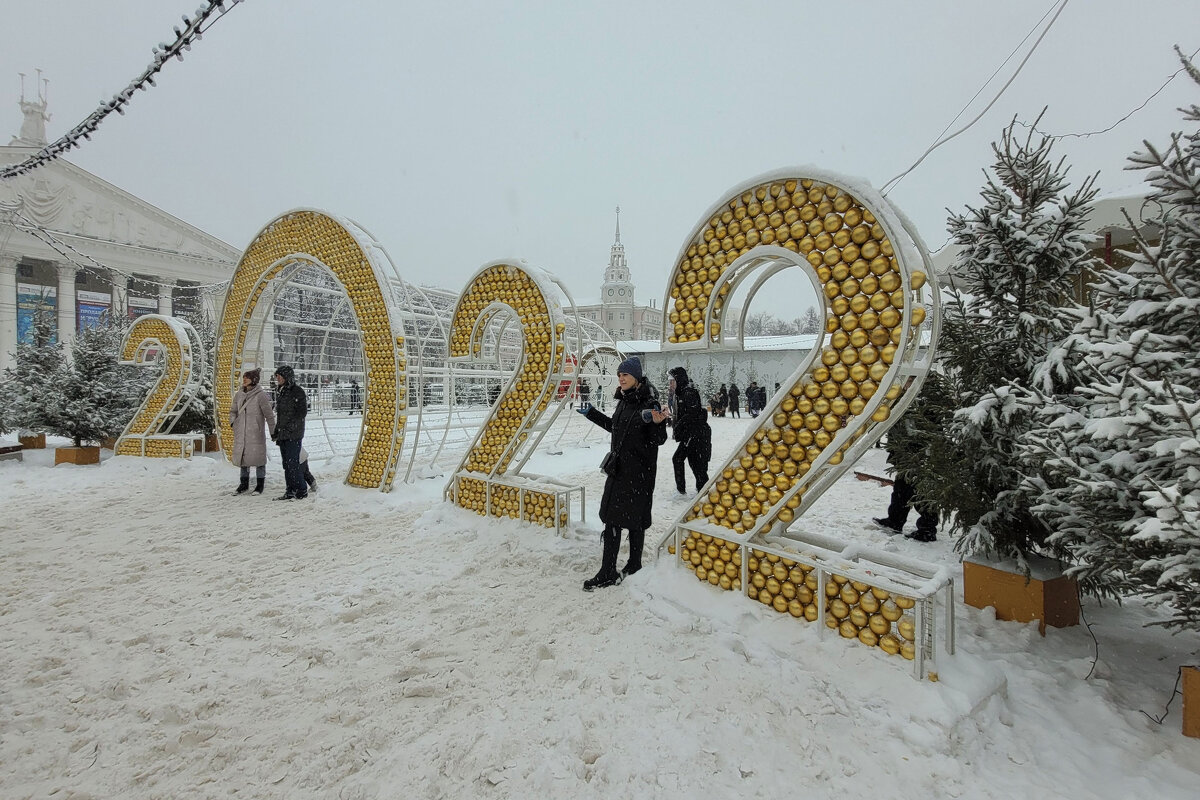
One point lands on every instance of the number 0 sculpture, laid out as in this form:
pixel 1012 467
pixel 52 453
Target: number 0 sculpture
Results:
pixel 315 237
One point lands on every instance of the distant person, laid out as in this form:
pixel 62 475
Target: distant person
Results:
pixel 355 397
pixel 722 401
pixel 752 399
pixel 251 417
pixel 291 408
pixel 691 431
pixel 637 432
pixel 493 393
pixel 585 392
pixel 903 439
pixel 735 399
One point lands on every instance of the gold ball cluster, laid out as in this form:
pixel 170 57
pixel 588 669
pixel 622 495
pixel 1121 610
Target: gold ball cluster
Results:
pixel 822 222
pixel 539 509
pixel 165 448
pixel 472 495
pixel 714 560
pixel 854 609
pixel 325 240
pixel 542 358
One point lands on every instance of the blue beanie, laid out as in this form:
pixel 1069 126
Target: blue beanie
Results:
pixel 631 366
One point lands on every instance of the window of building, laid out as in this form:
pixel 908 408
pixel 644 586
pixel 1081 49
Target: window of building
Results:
pixel 610 316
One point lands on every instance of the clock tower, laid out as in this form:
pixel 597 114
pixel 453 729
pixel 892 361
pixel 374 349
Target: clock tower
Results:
pixel 616 293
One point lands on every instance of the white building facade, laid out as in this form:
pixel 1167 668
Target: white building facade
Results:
pixel 76 246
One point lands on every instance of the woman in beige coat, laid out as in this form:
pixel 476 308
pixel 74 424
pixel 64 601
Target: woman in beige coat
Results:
pixel 251 411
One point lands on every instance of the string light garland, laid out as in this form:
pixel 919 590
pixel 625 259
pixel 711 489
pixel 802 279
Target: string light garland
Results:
pixel 96 268
pixel 191 32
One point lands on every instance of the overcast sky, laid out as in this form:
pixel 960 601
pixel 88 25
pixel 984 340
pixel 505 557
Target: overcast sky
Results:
pixel 463 132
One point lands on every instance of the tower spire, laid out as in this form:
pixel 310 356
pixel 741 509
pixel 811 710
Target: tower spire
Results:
pixel 618 225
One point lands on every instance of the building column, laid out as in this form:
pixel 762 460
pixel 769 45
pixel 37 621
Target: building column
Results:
pixel 165 306
pixel 120 296
pixel 66 305
pixel 8 311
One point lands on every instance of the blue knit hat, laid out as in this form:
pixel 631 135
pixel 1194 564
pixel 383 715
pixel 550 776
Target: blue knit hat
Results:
pixel 631 366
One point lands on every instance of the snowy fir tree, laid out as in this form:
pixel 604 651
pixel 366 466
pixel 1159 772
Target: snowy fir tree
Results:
pixel 1023 253
pixel 200 414
pixel 1121 487
pixel 96 396
pixel 28 390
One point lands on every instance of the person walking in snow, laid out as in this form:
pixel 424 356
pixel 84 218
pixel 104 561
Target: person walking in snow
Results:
pixel 637 432
pixel 585 392
pixel 291 408
pixel 903 439
pixel 691 431
pixel 722 401
pixel 251 417
pixel 735 397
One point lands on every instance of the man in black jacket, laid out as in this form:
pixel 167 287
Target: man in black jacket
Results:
pixel 691 431
pixel 291 407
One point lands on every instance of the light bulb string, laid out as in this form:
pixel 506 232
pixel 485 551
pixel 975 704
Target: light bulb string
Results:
pixel 192 30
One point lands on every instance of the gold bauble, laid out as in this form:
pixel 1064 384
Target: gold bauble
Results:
pixel 889 644
pixel 890 611
pixel 904 602
pixel 847 630
pixel 906 628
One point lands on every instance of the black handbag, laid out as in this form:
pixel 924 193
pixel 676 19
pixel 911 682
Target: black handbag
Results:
pixel 612 459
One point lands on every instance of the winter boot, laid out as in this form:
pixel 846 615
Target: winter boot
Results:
pixel 888 525
pixel 258 486
pixel 636 540
pixel 921 536
pixel 608 575
pixel 243 485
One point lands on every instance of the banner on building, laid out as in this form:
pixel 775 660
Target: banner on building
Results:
pixel 91 308
pixel 140 306
pixel 33 299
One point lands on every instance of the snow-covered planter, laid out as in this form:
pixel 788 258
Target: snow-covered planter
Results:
pixel 1191 701
pixel 1044 594
pixel 32 441
pixel 88 454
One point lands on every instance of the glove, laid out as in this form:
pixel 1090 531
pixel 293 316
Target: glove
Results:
pixel 583 410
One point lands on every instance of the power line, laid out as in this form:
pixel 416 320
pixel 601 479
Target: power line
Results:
pixel 941 141
pixel 192 30
pixel 1155 93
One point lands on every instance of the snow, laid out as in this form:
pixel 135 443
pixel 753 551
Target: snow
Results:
pixel 162 638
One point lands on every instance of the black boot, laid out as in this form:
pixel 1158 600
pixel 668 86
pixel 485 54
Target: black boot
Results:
pixel 243 485
pixel 636 540
pixel 258 486
pixel 608 575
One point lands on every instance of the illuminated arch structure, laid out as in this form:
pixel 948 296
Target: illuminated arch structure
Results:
pixel 875 277
pixel 322 282
pixel 319 293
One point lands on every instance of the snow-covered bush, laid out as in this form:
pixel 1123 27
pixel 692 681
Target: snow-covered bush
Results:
pixel 1023 252
pixel 1121 487
pixel 27 390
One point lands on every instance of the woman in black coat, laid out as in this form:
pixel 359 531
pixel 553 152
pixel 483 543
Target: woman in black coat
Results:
pixel 637 432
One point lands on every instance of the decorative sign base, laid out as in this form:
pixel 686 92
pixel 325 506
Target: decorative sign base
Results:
pixel 881 599
pixel 540 500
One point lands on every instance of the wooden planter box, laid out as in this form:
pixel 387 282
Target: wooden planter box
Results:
pixel 109 444
pixel 1046 595
pixel 212 443
pixel 87 454
pixel 1191 701
pixel 37 442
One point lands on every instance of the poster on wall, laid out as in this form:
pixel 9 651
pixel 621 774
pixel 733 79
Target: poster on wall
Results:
pixel 32 299
pixel 91 308
pixel 140 306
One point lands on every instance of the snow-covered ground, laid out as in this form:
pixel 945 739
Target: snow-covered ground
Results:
pixel 160 638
